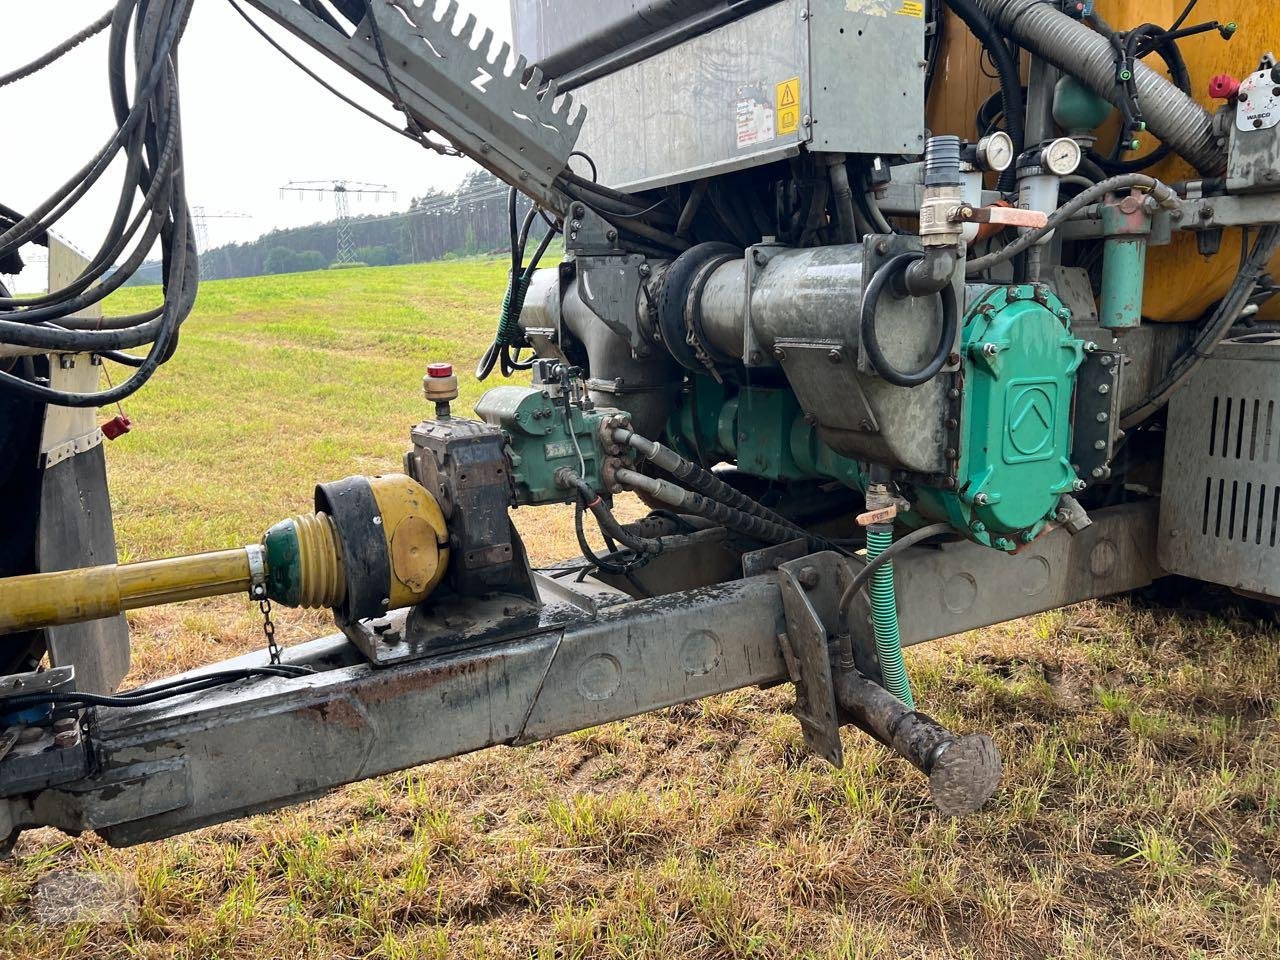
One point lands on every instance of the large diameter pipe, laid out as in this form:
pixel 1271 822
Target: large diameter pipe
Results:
pixel 1089 57
pixel 74 596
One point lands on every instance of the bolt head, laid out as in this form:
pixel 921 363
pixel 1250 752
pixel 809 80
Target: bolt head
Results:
pixel 1099 472
pixel 1099 444
pixel 990 349
pixel 779 353
pixel 834 355
pixel 809 577
pixel 1104 388
pixel 1078 486
pixel 982 499
pixel 1103 417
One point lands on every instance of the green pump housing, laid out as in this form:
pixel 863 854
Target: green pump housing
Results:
pixel 536 428
pixel 1016 382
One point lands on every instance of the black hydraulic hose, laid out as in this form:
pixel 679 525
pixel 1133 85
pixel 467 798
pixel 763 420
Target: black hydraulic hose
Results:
pixel 946 339
pixel 1007 70
pixel 65 46
pixel 863 576
pixel 609 524
pixel 697 504
pixel 703 481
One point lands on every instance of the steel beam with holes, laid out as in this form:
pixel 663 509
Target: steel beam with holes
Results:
pixel 258 745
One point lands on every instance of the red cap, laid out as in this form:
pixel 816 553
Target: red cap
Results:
pixel 438 370
pixel 1223 87
pixel 117 426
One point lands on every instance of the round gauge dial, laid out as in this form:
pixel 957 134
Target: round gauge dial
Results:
pixel 1062 157
pixel 995 152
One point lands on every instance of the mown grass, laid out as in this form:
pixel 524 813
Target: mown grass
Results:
pixel 1139 814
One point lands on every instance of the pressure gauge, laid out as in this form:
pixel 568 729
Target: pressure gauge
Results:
pixel 1062 157
pixel 995 152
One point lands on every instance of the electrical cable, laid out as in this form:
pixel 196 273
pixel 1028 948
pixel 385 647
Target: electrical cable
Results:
pixel 863 576
pixel 154 693
pixel 871 341
pixel 1223 318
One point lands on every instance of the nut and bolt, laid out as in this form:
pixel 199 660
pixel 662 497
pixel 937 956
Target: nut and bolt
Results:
pixel 953 394
pixel 882 247
pixel 981 499
pixel 1104 388
pixel 1003 543
pixel 779 353
pixel 809 577
pixel 1027 536
pixel 835 355
pixel 1099 444
pixel 990 349
pixel 755 358
pixel 953 358
pixel 949 453
pixel 645 270
pixel 1103 417
pixel 1100 472
pixel 1078 486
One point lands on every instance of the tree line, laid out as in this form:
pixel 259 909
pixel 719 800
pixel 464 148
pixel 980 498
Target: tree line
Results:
pixel 469 220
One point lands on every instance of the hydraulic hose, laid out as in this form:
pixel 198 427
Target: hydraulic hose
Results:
pixel 946 339
pixel 1010 78
pixel 703 481
pixel 1163 194
pixel 884 616
pixel 697 504
pixel 1170 114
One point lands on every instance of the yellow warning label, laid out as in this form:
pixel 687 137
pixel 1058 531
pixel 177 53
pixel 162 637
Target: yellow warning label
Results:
pixel 912 8
pixel 788 103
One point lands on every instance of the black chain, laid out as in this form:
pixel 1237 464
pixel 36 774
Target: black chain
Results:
pixel 269 631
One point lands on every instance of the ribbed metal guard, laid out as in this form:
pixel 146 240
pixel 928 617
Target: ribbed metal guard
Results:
pixel 1220 509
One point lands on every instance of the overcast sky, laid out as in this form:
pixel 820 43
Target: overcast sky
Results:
pixel 251 122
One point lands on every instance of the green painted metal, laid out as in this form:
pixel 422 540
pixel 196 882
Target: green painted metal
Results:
pixel 1076 108
pixel 283 560
pixel 1020 366
pixel 1018 377
pixel 884 617
pixel 1124 263
pixel 539 441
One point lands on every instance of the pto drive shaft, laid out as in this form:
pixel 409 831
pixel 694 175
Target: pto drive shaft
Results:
pixel 373 544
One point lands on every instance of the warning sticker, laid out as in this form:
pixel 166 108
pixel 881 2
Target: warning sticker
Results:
pixel 912 8
pixel 753 121
pixel 788 104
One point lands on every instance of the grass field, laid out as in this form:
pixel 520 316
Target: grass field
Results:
pixel 1139 817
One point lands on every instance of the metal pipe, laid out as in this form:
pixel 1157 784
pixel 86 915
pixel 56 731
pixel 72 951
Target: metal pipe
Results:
pixel 74 596
pixel 963 771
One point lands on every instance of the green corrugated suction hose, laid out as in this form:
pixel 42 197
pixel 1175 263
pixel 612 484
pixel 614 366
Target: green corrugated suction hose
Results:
pixel 884 617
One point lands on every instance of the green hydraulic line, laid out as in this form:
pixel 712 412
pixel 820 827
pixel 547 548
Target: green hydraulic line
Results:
pixel 884 617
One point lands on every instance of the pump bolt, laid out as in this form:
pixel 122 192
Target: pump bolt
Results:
pixel 990 349
pixel 1103 417
pixel 982 499
pixel 1078 486
pixel 835 355
pixel 1099 444
pixel 779 353
pixel 809 577
pixel 1104 388
pixel 1004 543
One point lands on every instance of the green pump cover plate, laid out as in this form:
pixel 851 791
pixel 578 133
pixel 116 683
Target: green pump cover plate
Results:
pixel 1020 367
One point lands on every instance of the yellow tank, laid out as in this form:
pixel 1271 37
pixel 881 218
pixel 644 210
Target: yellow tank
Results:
pixel 1180 283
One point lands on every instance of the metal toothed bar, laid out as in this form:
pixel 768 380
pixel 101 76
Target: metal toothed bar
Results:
pixel 452 83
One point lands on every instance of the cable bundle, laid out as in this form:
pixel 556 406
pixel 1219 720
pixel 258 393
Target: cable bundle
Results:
pixel 148 136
